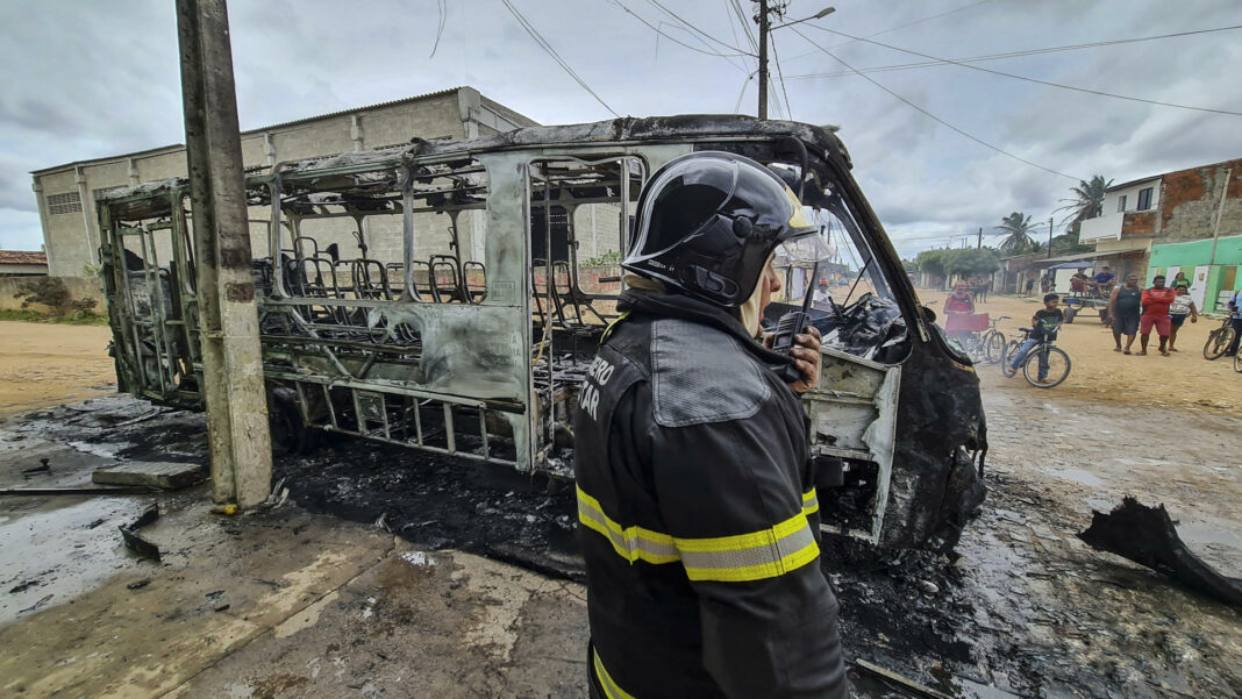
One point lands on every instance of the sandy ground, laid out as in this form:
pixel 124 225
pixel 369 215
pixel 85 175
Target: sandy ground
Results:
pixel 1184 379
pixel 293 603
pixel 44 364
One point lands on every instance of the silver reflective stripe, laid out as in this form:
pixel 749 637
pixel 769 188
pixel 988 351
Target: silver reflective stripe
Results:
pixel 772 552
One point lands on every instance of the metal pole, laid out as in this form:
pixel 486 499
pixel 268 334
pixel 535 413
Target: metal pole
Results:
pixel 980 245
pixel 764 25
pixel 1049 236
pixel 237 426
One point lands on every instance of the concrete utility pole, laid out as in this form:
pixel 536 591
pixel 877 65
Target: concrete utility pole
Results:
pixel 764 18
pixel 237 426
pixel 980 245
pixel 765 22
pixel 1050 236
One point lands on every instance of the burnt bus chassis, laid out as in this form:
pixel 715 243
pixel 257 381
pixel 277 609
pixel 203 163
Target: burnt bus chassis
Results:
pixel 490 373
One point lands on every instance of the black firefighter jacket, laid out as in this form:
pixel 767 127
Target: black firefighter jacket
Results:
pixel 698 515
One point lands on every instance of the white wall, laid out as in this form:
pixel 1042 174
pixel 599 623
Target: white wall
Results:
pixel 1131 194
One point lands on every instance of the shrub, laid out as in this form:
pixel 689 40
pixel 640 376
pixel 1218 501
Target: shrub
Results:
pixel 52 292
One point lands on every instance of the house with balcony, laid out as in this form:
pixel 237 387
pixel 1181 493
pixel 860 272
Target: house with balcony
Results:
pixel 1181 216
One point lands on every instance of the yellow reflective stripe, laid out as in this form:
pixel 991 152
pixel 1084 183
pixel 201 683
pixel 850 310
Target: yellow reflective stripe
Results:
pixel 611 690
pixel 810 501
pixel 763 537
pixel 631 543
pixel 764 554
pixel 759 571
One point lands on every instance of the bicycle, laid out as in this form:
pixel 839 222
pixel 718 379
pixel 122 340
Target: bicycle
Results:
pixel 1045 365
pixel 986 347
pixel 1219 340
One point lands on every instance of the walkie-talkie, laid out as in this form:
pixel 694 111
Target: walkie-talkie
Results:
pixel 791 325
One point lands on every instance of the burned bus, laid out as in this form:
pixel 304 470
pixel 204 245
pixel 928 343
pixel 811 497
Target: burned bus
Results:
pixel 437 296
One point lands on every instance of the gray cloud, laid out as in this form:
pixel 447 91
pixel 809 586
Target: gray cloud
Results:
pixel 93 79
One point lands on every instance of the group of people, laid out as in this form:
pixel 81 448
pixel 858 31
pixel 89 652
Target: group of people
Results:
pixel 1135 311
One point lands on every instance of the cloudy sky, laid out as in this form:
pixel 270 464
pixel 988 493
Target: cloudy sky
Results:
pixel 89 79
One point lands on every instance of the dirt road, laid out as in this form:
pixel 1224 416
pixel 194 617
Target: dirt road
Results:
pixel 1183 380
pixel 44 364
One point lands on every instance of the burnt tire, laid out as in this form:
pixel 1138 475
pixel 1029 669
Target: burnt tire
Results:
pixel 1070 314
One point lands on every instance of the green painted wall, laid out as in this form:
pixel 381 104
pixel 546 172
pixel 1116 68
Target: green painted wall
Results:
pixel 1225 274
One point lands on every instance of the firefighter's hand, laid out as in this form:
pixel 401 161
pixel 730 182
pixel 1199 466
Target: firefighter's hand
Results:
pixel 807 359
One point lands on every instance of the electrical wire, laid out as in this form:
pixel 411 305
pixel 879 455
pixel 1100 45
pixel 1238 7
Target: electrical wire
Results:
pixel 899 26
pixel 746 28
pixel 727 57
pixel 776 58
pixel 442 6
pixel 742 93
pixel 1025 78
pixel 930 115
pixel 694 28
pixel 543 44
pixel 673 39
pixel 1014 54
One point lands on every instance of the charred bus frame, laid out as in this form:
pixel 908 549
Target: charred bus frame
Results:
pixel 482 358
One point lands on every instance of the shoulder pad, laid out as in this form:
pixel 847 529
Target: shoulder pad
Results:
pixel 702 375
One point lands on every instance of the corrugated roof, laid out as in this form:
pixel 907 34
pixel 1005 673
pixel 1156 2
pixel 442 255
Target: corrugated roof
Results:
pixel 22 257
pixel 282 125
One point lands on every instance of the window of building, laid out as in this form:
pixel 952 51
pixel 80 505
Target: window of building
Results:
pixel 1144 199
pixel 1121 203
pixel 66 203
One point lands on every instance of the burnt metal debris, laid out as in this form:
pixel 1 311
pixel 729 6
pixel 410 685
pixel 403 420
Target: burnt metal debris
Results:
pixel 1148 536
pixel 430 296
pixel 136 542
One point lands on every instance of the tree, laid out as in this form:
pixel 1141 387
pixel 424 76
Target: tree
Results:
pixel 973 262
pixel 1087 200
pixel 1017 228
pixel 933 262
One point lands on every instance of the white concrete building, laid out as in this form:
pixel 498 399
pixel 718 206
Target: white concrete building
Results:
pixel 66 193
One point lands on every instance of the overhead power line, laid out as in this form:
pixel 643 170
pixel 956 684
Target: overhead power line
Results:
pixel 1012 54
pixel 738 12
pixel 543 44
pixel 920 20
pixel 1025 78
pixel 776 58
pixel 694 28
pixel 930 115
pixel 675 40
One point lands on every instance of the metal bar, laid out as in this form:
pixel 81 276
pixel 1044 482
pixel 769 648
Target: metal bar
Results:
pixel 449 434
pixel 483 432
pixel 418 422
pixel 384 415
pixel 327 397
pixel 359 418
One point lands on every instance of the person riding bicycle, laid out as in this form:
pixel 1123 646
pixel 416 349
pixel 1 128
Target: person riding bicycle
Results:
pixel 1044 326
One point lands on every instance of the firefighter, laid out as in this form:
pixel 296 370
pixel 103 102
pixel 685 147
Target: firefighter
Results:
pixel 696 505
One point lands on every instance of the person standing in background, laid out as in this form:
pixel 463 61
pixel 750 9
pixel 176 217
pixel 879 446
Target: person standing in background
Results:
pixel 1124 309
pixel 1181 307
pixel 1180 282
pixel 1156 302
pixel 1235 319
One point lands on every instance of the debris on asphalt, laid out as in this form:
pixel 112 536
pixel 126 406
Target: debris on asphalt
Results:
pixel 23 586
pixel 104 492
pixel 152 474
pixel 134 541
pixel 228 509
pixel 1148 536
pixel 138 584
pixel 44 467
pixel 899 680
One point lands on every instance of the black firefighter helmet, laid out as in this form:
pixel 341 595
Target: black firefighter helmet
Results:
pixel 707 223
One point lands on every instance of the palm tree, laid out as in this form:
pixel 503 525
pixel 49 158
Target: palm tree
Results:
pixel 1017 229
pixel 1087 200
